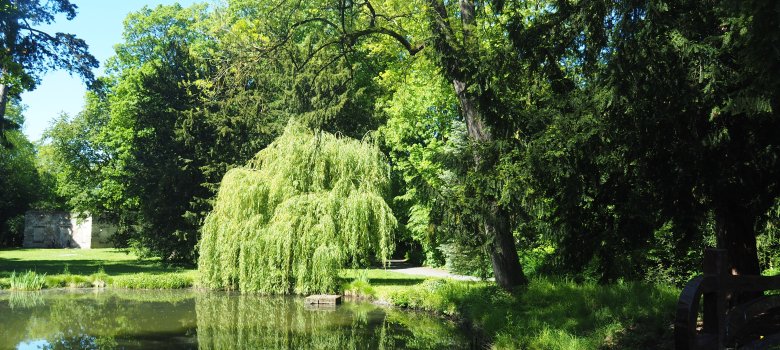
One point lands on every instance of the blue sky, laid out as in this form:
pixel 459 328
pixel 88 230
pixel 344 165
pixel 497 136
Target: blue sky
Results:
pixel 99 23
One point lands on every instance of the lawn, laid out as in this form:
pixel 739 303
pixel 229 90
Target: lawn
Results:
pixel 81 267
pixel 78 261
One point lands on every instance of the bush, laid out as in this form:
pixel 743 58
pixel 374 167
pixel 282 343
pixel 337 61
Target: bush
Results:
pixel 465 260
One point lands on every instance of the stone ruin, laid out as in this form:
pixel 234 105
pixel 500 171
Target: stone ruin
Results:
pixel 49 229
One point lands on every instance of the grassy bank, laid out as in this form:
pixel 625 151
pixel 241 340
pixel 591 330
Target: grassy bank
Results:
pixel 549 314
pixel 90 267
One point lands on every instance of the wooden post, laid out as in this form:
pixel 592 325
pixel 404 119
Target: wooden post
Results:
pixel 714 312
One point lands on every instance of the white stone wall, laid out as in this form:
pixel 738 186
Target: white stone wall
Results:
pixel 81 232
pixel 44 229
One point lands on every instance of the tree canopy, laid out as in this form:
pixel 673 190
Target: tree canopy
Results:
pixel 302 208
pixel 602 140
pixel 26 51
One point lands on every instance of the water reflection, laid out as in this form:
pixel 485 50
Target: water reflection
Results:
pixel 25 300
pixel 118 319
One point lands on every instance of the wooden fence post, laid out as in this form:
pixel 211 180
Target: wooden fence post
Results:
pixel 716 264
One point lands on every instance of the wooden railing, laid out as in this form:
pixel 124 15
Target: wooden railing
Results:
pixel 725 324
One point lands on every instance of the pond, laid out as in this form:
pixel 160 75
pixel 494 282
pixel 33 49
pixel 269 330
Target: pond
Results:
pixel 187 319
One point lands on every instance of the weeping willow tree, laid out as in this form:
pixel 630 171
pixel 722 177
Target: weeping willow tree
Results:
pixel 307 205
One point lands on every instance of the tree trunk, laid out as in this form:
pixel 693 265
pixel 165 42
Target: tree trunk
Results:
pixel 735 230
pixel 3 123
pixel 454 60
pixel 3 101
pixel 503 253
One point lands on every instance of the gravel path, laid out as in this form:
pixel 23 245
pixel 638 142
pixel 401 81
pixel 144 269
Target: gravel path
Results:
pixel 431 272
pixel 401 266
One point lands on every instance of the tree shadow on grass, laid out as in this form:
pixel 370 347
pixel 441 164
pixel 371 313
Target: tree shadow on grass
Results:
pixel 396 282
pixel 80 267
pixel 558 314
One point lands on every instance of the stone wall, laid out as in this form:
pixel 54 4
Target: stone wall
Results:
pixel 46 229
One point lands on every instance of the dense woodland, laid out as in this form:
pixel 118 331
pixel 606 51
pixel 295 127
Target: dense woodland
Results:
pixel 603 140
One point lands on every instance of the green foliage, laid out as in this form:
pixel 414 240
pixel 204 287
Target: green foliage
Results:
pixel 76 154
pixel 29 280
pixel 607 140
pixel 189 95
pixel 153 281
pixel 300 210
pixel 67 280
pixel 140 280
pixel 123 156
pixel 29 52
pixel 359 287
pixel 768 242
pixel 23 184
pixel 421 135
pixel 552 313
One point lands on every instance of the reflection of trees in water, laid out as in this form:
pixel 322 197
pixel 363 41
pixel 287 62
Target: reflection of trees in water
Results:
pixel 80 341
pixel 253 322
pixel 24 300
pixel 86 320
pixel 138 319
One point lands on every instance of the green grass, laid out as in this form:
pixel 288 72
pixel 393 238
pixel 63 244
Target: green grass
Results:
pixel 80 268
pixel 79 261
pixel 173 280
pixel 360 286
pixel 28 280
pixel 550 313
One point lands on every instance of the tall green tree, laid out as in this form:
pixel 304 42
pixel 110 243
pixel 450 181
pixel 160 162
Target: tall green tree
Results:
pixel 155 92
pixel 304 207
pixel 673 124
pixel 78 155
pixel 26 51
pixel 123 156
pixel 22 185
pixel 463 42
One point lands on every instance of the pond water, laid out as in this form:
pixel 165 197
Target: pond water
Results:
pixel 186 319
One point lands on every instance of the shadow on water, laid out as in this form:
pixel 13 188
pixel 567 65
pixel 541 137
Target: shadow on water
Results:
pixel 87 319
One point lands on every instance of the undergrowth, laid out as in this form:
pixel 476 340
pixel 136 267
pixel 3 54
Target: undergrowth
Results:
pixel 29 280
pixel 171 280
pixel 360 287
pixel 551 313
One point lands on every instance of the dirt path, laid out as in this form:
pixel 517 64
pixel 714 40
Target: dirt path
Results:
pixel 401 266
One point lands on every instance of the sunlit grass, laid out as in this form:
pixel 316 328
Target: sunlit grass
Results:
pixel 172 280
pixel 29 280
pixel 551 313
pixel 87 268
